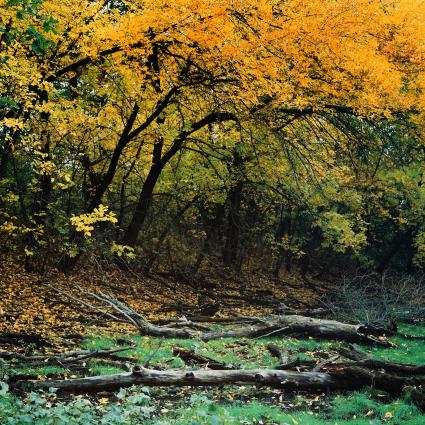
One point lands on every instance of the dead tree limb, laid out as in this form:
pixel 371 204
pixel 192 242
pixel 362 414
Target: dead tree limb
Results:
pixel 191 358
pixel 297 364
pixel 275 351
pixel 294 325
pixel 299 326
pixel 65 358
pixel 320 366
pixel 362 359
pixel 92 307
pixel 335 378
pixel 205 377
pixel 284 309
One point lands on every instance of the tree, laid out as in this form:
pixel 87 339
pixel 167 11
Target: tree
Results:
pixel 96 105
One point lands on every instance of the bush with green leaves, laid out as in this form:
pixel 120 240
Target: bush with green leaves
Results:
pixel 132 407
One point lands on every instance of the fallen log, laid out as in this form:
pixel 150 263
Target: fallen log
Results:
pixel 294 325
pixel 205 319
pixel 335 378
pixel 364 360
pixel 205 377
pixel 275 351
pixel 298 365
pixel 63 359
pixel 285 310
pixel 190 358
pixel 415 395
pixel 320 366
pixel 299 326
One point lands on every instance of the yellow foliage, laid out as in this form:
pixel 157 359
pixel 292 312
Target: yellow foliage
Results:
pixel 85 223
pixel 123 250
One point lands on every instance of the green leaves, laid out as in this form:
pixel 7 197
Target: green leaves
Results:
pixel 29 7
pixel 40 44
pixel 6 102
pixel 49 25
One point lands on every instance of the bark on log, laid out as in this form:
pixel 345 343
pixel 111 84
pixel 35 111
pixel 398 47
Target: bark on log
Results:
pixel 190 357
pixel 297 364
pixel 336 378
pixel 283 309
pixel 295 325
pixel 310 381
pixel 275 351
pixel 299 326
pixel 415 395
pixel 283 325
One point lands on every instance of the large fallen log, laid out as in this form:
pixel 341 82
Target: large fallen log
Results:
pixel 336 377
pixel 294 325
pixel 299 326
pixel 274 378
pixel 362 359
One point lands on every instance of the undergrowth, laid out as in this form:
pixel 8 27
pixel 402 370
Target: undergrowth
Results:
pixel 227 405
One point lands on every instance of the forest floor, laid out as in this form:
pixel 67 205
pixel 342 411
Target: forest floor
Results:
pixel 29 306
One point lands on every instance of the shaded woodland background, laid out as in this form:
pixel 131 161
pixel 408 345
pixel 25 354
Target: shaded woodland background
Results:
pixel 148 143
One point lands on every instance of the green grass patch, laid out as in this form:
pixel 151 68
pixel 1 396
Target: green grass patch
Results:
pixel 228 405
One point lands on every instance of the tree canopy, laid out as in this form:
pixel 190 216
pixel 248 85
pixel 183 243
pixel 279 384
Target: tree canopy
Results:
pixel 256 133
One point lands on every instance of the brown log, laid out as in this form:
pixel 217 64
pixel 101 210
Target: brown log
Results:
pixel 295 325
pixel 205 377
pixel 380 379
pixel 335 378
pixel 275 351
pixel 415 395
pixel 285 310
pixel 190 357
pixel 364 360
pixel 353 353
pixel 297 364
pixel 320 366
pixel 285 325
pixel 299 326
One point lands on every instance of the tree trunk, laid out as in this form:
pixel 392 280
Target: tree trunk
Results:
pixel 159 162
pixel 113 163
pixel 337 377
pixel 230 251
pixel 127 136
pixel 155 251
pixel 140 213
pixel 234 201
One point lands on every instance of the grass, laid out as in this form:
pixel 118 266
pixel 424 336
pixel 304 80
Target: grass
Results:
pixel 357 409
pixel 231 404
